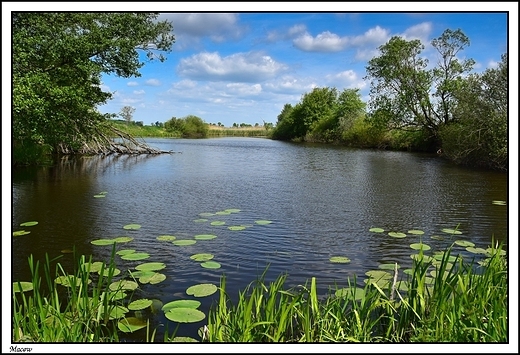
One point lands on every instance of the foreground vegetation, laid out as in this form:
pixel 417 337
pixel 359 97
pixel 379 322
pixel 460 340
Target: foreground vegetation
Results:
pixel 440 299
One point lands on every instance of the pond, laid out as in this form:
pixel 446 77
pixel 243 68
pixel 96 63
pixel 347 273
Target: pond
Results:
pixel 321 201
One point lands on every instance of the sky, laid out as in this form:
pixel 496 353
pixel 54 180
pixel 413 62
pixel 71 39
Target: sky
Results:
pixel 242 65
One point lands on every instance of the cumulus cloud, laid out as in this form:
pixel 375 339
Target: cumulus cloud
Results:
pixel 291 33
pixel 132 83
pixel 421 32
pixel 239 67
pixel 346 79
pixel 153 82
pixel 139 92
pixel 324 42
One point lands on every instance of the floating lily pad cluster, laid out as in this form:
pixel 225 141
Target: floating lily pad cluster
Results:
pixel 23 231
pixel 102 194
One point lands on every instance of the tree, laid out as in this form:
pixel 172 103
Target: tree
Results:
pixel 127 113
pixel 406 95
pixel 58 59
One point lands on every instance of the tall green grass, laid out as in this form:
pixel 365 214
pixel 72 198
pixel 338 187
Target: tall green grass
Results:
pixel 464 303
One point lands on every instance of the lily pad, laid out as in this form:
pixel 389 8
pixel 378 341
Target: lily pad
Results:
pixel 125 251
pixel 106 272
pixel 202 257
pixel 181 304
pixel 116 295
pixel 205 236
pixel 437 237
pixel 130 324
pixel 440 256
pixel 166 238
pixel 476 250
pixel 210 265
pixel 154 279
pixel 182 242
pixel 232 210
pixel 123 239
pixel 117 312
pixel 416 231
pixel 103 242
pixel 236 228
pixel 69 281
pixel 464 243
pixel 140 304
pixel 139 274
pixel 22 286
pixel 123 285
pixel 339 259
pixel 184 340
pixel 19 233
pixel 132 226
pixel 206 214
pixel 376 230
pixel 200 220
pixel 222 213
pixel 135 256
pixel 99 196
pixel 378 274
pixel 389 266
pixel 499 203
pixel 201 290
pixel 451 231
pixel 397 234
pixel 185 315
pixel 150 266
pixel 490 252
pixel 425 258
pixel 93 267
pixel 420 246
pixel 218 223
pixel 356 293
pixel 263 222
pixel 28 224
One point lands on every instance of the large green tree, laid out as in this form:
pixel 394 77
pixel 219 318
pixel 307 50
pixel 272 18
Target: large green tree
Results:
pixel 58 60
pixel 405 94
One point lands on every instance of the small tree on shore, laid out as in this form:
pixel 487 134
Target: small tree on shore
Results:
pixel 127 113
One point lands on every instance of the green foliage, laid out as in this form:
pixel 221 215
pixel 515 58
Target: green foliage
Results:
pixel 58 59
pixel 188 127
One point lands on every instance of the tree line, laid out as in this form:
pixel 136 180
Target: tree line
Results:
pixel 443 108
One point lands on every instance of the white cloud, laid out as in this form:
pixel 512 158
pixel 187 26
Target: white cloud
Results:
pixel 421 32
pixel 153 82
pixel 324 42
pixel 345 79
pixel 239 67
pixel 139 92
pixel 373 37
pixel 132 83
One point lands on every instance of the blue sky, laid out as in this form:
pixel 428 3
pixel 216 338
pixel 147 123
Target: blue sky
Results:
pixel 243 67
pixel 242 62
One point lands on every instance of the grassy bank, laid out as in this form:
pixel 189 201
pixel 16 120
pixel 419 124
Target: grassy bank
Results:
pixel 440 299
pixel 215 131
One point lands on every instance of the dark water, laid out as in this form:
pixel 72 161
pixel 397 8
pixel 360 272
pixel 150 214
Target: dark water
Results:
pixel 322 201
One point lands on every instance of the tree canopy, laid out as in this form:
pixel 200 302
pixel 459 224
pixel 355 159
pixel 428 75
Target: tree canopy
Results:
pixel 58 59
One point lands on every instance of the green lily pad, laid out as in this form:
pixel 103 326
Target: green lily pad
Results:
pixel 381 282
pixel 202 257
pixel 490 252
pixel 125 251
pixel 181 304
pixel 103 192
pixel 123 285
pixel 389 266
pixel 200 220
pixel 236 228
pixel 476 250
pixel 222 213
pixel 132 226
pixel 206 214
pixel 419 246
pixel 416 231
pixel 19 233
pixel 182 242
pixel 378 274
pixel 356 293
pixel 185 315
pixel 106 272
pixel 437 237
pixel 451 231
pixel 135 256
pixel 28 224
pixel 22 286
pixel 263 222
pixel 440 256
pixel 140 304
pixel 408 271
pixel 69 281
pixel 201 290
pixel 464 243
pixel 99 196
pixel 376 230
pixel 152 280
pixel 94 267
pixel 117 312
pixel 499 203
pixel 232 210
pixel 139 274
pixel 123 239
pixel 103 242
pixel 150 266
pixel 116 295
pixel 425 258
pixel 166 238
pixel 339 259
pixel 397 234
pixel 218 223
pixel 205 236
pixel 184 340
pixel 130 324
pixel 210 265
